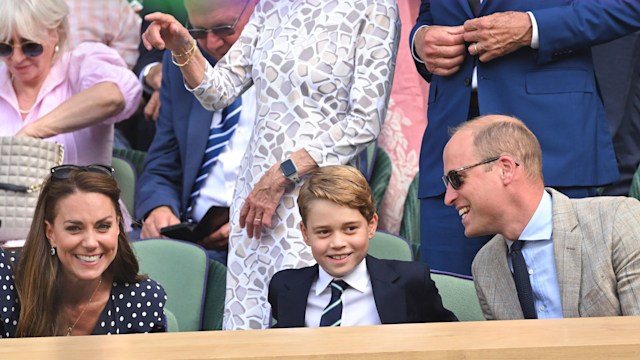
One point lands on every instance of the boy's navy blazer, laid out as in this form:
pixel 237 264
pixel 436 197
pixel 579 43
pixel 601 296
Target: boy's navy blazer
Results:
pixel 403 292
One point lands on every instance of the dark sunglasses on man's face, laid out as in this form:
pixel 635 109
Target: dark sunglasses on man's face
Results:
pixel 456 180
pixel 63 171
pixel 28 48
pixel 220 31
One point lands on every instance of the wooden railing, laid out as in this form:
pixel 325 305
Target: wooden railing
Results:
pixel 586 338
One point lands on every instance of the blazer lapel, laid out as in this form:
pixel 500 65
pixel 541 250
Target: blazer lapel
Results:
pixel 467 8
pixel 567 250
pixel 502 290
pixel 199 122
pixel 292 304
pixel 389 296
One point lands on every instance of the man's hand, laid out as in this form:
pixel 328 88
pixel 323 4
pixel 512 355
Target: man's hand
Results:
pixel 218 240
pixel 153 79
pixel 441 48
pixel 158 218
pixel 498 34
pixel 152 109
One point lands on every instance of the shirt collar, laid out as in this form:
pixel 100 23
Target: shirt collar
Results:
pixel 540 226
pixel 358 279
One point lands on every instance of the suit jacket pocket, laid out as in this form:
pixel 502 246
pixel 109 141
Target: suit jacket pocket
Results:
pixel 559 81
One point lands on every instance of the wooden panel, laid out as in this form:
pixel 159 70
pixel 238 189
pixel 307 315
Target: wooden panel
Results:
pixel 587 338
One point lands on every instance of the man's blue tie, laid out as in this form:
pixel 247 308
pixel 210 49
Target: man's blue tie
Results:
pixel 219 136
pixel 521 278
pixel 332 314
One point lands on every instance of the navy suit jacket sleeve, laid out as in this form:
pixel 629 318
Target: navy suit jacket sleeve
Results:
pixel 581 24
pixel 160 183
pixel 424 18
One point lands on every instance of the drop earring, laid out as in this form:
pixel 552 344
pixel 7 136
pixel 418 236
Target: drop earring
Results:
pixel 53 251
pixel 56 49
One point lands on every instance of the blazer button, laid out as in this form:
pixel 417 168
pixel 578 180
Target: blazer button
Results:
pixel 467 81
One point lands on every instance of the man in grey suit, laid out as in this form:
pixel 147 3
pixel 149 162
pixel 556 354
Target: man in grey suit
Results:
pixel 579 257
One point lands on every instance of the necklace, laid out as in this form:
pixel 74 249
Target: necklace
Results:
pixel 24 112
pixel 70 328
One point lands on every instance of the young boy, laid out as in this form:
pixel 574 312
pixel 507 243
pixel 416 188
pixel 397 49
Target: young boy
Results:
pixel 338 220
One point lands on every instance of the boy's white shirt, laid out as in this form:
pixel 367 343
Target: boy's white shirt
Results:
pixel 358 303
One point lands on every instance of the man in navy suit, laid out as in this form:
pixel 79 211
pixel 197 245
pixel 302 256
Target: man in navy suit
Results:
pixel 165 188
pixel 338 220
pixel 525 58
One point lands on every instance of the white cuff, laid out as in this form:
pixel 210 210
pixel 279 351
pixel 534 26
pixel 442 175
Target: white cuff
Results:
pixel 413 52
pixel 535 41
pixel 145 71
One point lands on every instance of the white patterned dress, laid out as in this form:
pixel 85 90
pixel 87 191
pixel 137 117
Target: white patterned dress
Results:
pixel 323 71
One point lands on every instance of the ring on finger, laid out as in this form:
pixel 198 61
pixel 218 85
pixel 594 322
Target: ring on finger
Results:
pixel 475 47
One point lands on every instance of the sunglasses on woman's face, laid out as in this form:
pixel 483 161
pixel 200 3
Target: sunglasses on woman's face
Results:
pixel 62 172
pixel 28 48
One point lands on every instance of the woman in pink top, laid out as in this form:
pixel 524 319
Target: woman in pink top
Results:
pixel 71 96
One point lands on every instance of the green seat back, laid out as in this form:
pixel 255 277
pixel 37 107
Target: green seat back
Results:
pixel 182 269
pixel 459 296
pixel 126 177
pixel 214 302
pixel 135 157
pixel 380 176
pixel 172 322
pixel 388 246
pixel 634 190
pixel 410 224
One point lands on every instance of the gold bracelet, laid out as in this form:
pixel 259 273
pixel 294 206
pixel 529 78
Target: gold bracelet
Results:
pixel 173 60
pixel 189 53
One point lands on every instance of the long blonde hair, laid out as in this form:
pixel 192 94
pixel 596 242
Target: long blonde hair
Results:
pixel 38 274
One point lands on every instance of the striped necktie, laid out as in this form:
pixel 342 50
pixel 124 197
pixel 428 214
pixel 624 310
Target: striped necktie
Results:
pixel 332 314
pixel 219 136
pixel 521 279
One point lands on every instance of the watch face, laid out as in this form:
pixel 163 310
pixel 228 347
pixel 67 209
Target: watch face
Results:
pixel 288 168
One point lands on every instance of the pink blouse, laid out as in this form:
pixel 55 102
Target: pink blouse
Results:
pixel 86 65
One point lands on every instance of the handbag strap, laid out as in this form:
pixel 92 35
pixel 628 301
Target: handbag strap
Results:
pixel 17 188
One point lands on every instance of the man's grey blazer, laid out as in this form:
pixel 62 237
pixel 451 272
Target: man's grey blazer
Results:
pixel 597 253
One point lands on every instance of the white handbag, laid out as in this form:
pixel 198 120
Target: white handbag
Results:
pixel 24 164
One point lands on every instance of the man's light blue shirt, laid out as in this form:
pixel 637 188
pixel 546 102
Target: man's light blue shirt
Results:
pixel 538 253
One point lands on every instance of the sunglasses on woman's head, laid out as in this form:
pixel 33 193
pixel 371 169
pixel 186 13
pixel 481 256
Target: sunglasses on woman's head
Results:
pixel 62 172
pixel 28 48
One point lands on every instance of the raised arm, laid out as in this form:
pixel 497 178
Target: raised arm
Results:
pixel 165 32
pixel 104 91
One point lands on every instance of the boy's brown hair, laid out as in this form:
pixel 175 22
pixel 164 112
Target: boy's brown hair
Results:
pixel 340 184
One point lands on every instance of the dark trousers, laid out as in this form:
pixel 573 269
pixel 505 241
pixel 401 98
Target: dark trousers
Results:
pixel 617 68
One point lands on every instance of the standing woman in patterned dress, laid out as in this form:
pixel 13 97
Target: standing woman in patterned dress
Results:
pixel 323 71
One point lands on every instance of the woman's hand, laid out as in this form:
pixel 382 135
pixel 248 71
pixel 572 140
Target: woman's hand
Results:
pixel 261 203
pixel 165 32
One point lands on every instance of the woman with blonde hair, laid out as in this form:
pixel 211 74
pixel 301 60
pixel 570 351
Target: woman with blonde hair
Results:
pixel 77 273
pixel 47 91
